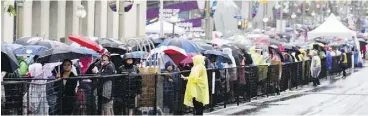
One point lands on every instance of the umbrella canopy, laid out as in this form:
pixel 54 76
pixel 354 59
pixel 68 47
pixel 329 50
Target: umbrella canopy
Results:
pixel 175 53
pixel 139 54
pixel 59 54
pixel 188 59
pixel 213 52
pixel 87 51
pixel 185 44
pixel 204 46
pixel 157 41
pixel 11 46
pixel 38 41
pixel 28 40
pixel 30 50
pixel 112 45
pixel 85 42
pixel 9 62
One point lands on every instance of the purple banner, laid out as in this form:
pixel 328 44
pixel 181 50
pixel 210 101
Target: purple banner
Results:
pixel 184 6
pixel 196 22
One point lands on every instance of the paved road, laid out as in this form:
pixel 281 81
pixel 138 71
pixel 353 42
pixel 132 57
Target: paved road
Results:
pixel 337 97
pixel 344 97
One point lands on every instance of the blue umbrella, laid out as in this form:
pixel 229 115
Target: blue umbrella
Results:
pixel 87 51
pixel 139 54
pixel 185 44
pixel 11 46
pixel 30 50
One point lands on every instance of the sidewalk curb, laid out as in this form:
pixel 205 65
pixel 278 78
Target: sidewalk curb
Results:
pixel 247 107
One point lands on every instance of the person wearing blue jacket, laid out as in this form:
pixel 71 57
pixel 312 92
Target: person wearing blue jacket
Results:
pixel 171 91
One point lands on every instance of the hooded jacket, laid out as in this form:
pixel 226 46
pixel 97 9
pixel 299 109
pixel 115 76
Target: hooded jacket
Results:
pixel 197 86
pixel 232 66
pixel 127 87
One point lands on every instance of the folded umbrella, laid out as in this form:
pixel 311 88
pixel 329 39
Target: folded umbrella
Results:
pixel 9 62
pixel 59 54
pixel 30 50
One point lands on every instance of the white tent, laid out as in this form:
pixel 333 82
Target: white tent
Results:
pixel 168 28
pixel 331 27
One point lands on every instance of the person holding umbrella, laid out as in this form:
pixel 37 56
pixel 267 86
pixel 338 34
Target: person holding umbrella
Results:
pixel 105 67
pixel 69 96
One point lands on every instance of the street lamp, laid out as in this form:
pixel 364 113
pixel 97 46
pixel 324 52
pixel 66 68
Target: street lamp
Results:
pixel 81 13
pixel 174 19
pixel 265 20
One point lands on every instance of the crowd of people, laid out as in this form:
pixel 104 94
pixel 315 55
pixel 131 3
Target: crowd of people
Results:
pixel 118 98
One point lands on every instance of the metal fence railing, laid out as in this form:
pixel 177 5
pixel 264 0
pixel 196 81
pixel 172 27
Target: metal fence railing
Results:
pixel 151 93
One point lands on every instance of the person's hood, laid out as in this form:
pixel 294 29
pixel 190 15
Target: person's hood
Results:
pixel 127 56
pixel 169 64
pixel 198 60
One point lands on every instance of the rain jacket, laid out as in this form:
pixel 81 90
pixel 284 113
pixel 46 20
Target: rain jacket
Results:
pixel 329 60
pixel 232 66
pixel 128 87
pixel 315 65
pixel 37 92
pixel 197 86
pixel 276 60
pixel 23 67
pixel 171 88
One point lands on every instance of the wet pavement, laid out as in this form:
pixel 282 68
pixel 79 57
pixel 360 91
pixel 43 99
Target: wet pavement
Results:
pixel 336 96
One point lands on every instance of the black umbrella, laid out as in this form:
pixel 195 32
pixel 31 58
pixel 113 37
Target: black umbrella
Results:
pixel 236 52
pixel 9 62
pixel 157 41
pixel 27 40
pixel 36 41
pixel 112 45
pixel 60 53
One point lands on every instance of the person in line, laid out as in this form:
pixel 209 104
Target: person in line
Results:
pixel 105 67
pixel 23 66
pixel 197 93
pixel 276 71
pixel 127 89
pixel 315 68
pixel 343 62
pixel 68 95
pixel 170 87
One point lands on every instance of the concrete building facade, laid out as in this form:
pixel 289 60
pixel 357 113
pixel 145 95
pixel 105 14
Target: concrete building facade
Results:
pixel 58 19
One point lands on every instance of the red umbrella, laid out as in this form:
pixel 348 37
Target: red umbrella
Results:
pixel 188 59
pixel 176 54
pixel 85 42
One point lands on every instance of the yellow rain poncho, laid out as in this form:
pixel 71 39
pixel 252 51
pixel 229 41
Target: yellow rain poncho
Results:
pixel 197 86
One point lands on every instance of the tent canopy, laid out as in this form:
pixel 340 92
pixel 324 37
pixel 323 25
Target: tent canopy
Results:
pixel 167 28
pixel 331 27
